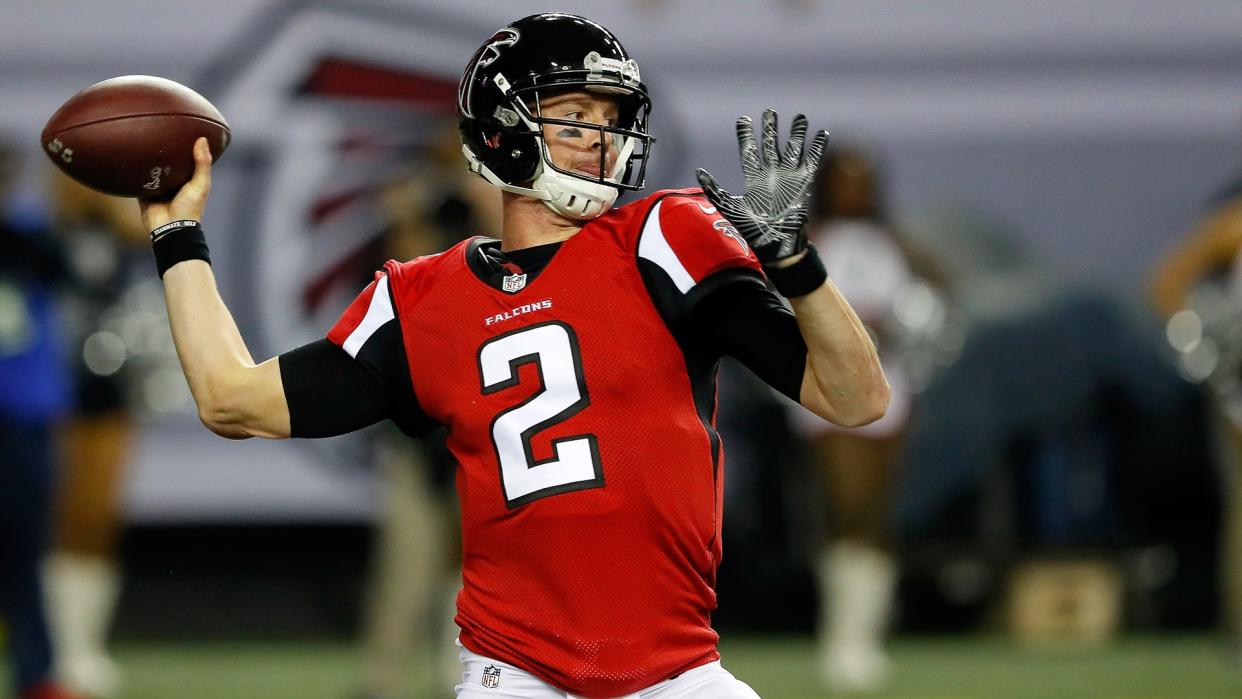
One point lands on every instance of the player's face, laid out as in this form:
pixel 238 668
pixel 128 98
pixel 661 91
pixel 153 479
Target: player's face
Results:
pixel 578 149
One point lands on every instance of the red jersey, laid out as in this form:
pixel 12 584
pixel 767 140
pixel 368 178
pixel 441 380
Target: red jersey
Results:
pixel 582 418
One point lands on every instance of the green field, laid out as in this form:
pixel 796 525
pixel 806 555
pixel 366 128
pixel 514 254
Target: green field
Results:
pixel 777 667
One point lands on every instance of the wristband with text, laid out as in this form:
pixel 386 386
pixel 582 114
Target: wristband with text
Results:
pixel 800 278
pixel 177 242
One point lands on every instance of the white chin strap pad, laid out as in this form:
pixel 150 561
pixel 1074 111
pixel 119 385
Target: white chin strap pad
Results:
pixel 572 197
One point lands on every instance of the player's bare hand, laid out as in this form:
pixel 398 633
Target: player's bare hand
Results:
pixel 189 201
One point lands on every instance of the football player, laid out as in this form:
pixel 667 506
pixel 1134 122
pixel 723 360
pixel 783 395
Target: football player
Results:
pixel 572 362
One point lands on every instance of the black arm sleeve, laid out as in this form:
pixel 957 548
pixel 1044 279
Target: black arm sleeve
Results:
pixel 738 316
pixel 330 393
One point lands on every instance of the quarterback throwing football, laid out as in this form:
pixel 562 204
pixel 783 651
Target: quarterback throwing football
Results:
pixel 572 362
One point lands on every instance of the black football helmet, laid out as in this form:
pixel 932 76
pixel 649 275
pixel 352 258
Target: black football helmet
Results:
pixel 502 127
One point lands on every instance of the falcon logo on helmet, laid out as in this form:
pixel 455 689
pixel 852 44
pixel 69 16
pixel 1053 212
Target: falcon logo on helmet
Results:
pixel 484 57
pixel 502 138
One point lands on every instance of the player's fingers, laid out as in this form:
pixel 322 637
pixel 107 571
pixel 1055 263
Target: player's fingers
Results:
pixel 746 145
pixel 767 149
pixel 816 151
pixel 202 153
pixel 202 166
pixel 797 141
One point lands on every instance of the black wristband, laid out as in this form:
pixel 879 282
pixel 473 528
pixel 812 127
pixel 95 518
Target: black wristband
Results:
pixel 800 278
pixel 177 242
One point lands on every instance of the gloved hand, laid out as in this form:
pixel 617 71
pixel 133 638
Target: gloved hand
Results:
pixel 771 213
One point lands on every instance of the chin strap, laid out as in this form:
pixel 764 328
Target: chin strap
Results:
pixel 477 167
pixel 574 198
pixel 566 195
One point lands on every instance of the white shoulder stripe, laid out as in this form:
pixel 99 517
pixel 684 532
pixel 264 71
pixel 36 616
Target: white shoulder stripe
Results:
pixel 653 246
pixel 378 313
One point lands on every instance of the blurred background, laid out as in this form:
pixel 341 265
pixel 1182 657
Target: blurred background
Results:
pixel 1035 206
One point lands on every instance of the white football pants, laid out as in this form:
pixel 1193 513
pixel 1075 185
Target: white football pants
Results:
pixel 710 681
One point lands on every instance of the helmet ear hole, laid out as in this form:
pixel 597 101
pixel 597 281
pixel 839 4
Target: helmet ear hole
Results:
pixel 511 155
pixel 516 156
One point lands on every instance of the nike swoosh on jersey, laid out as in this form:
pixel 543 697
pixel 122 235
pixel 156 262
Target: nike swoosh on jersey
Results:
pixel 706 209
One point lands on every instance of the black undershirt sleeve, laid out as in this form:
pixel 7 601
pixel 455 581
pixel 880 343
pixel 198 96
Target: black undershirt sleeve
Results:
pixel 330 393
pixel 734 313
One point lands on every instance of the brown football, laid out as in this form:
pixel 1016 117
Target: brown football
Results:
pixel 133 136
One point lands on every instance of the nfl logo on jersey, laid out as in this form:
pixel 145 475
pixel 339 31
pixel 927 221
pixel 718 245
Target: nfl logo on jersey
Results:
pixel 514 283
pixel 491 673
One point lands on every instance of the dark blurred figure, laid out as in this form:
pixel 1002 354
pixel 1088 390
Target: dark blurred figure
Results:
pixel 104 242
pixel 1198 287
pixel 34 395
pixel 879 274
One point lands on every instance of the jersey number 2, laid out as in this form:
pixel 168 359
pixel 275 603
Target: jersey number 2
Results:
pixel 553 348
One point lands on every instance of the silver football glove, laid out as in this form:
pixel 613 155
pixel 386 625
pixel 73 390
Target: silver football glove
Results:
pixel 772 212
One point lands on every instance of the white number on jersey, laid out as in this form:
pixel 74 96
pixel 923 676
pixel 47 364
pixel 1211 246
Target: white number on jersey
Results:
pixel 575 465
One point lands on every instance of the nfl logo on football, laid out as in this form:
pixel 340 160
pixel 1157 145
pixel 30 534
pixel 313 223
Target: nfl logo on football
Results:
pixel 491 673
pixel 514 283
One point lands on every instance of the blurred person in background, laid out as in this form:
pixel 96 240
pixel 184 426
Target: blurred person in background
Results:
pixel 34 396
pixel 1198 287
pixel 103 237
pixel 416 563
pixel 856 571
